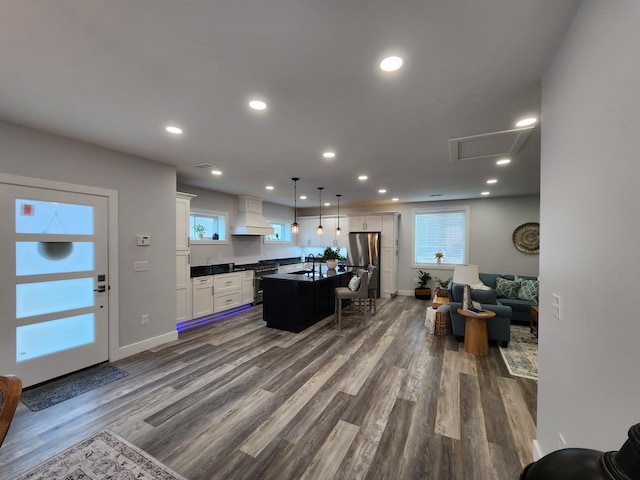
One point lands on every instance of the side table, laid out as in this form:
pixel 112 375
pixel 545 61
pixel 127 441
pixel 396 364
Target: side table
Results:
pixel 437 301
pixel 476 339
pixel 534 321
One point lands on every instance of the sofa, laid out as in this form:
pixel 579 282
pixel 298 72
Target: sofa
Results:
pixel 498 327
pixel 509 296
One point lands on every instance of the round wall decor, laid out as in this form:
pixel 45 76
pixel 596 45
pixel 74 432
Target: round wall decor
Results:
pixel 526 238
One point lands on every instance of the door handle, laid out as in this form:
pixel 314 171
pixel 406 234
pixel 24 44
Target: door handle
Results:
pixel 100 289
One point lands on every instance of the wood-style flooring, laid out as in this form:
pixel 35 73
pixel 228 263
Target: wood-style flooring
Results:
pixel 237 400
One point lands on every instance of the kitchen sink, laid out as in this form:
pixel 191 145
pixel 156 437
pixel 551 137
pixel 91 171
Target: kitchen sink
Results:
pixel 302 272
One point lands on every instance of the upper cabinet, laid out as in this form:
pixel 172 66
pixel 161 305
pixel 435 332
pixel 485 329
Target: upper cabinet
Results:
pixel 365 223
pixel 183 202
pixel 308 236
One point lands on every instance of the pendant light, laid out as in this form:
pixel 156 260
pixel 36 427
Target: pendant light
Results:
pixel 320 229
pixel 338 229
pixel 295 228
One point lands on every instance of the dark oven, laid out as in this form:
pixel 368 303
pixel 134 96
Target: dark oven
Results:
pixel 260 272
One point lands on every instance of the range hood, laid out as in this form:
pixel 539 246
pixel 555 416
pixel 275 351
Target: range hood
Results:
pixel 249 220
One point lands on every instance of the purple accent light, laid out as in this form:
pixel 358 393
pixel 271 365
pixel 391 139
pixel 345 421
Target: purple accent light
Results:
pixel 199 322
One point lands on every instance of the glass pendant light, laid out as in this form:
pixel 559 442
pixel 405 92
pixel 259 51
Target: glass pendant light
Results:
pixel 295 227
pixel 338 229
pixel 320 229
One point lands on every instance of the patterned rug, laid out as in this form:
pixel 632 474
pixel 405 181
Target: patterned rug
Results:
pixel 56 391
pixel 521 356
pixel 105 456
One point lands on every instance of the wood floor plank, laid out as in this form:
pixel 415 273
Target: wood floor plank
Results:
pixel 418 406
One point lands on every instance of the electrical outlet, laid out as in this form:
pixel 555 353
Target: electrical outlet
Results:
pixel 145 319
pixel 555 305
pixel 562 443
pixel 141 266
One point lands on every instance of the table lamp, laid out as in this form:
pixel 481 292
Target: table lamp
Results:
pixel 466 275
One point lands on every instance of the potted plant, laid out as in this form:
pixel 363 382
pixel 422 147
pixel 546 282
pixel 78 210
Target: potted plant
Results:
pixel 331 257
pixel 441 291
pixel 438 256
pixel 200 229
pixel 423 292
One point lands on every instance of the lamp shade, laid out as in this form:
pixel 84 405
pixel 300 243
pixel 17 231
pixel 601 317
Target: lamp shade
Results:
pixel 466 274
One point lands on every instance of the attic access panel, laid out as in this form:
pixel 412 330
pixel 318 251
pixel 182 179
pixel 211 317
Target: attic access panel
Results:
pixel 488 145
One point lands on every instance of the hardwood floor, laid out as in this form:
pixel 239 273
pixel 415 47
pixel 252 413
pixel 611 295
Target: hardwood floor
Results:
pixel 236 400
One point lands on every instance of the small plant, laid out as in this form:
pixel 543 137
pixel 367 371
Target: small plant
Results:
pixel 423 278
pixel 438 255
pixel 200 228
pixel 331 254
pixel 441 283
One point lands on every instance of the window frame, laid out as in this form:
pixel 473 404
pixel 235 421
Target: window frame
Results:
pixel 209 241
pixel 287 227
pixel 433 210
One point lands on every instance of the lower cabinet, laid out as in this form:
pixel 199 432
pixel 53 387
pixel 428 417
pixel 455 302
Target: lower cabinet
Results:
pixel 227 291
pixel 247 287
pixel 202 296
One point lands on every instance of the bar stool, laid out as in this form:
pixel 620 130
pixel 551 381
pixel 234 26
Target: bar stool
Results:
pixel 373 287
pixel 357 296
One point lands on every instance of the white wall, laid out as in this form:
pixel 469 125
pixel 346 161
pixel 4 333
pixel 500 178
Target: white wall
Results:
pixel 146 204
pixel 588 389
pixel 240 249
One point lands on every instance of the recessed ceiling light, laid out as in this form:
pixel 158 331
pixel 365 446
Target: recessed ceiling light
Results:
pixel 327 204
pixel 362 177
pixel 492 180
pixel 216 171
pixel 269 187
pixel 173 129
pixel 525 122
pixel 503 161
pixel 485 193
pixel 382 190
pixel 303 197
pixel 395 199
pixel 391 64
pixel 258 105
pixel 329 154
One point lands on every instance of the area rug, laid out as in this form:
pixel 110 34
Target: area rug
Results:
pixel 64 388
pixel 521 356
pixel 105 456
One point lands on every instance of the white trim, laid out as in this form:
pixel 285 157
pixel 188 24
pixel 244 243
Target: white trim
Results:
pixel 147 344
pixel 112 219
pixel 537 450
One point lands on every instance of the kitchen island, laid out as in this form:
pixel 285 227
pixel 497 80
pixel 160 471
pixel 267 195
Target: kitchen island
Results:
pixel 295 301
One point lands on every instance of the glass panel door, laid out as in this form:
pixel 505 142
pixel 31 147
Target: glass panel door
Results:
pixel 58 282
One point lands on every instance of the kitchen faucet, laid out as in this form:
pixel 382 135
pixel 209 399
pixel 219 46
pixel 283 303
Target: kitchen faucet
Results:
pixel 313 262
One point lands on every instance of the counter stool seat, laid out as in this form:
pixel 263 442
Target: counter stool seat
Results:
pixel 357 299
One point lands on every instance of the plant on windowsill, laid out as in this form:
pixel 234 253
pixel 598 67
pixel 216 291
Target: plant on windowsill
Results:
pixel 422 292
pixel 331 257
pixel 200 229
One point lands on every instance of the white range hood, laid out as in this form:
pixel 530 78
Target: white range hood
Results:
pixel 249 220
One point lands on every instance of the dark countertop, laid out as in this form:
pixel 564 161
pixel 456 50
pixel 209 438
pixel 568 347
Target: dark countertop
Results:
pixel 204 270
pixel 307 277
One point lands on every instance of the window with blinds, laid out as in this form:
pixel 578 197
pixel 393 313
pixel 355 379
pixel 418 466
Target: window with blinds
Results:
pixel 442 231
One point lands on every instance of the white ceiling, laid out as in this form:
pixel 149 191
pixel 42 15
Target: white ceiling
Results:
pixel 115 72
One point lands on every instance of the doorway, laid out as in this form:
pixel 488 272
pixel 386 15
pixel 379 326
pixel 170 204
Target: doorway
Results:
pixel 54 294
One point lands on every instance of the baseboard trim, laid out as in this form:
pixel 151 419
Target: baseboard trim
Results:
pixel 147 344
pixel 406 293
pixel 537 451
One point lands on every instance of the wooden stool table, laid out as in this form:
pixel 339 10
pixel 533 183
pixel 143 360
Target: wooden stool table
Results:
pixel 476 339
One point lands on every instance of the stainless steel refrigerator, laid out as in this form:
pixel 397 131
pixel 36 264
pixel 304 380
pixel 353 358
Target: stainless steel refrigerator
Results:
pixel 364 250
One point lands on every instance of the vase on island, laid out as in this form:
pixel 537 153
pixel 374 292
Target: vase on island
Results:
pixel 331 264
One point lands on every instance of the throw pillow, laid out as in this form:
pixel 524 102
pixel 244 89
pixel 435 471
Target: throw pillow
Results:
pixel 507 288
pixel 354 283
pixel 528 289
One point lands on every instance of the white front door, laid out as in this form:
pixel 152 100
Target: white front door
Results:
pixel 54 289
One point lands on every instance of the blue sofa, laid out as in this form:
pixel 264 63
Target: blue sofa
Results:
pixel 520 309
pixel 498 327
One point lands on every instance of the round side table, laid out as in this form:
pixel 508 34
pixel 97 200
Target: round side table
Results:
pixel 476 339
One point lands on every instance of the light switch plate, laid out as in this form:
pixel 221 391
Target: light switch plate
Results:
pixel 140 266
pixel 555 305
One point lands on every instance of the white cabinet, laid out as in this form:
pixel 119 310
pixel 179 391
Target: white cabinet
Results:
pixel 227 291
pixel 388 272
pixel 390 230
pixel 309 237
pixel 183 287
pixel 247 287
pixel 202 296
pixel 365 223
pixel 183 258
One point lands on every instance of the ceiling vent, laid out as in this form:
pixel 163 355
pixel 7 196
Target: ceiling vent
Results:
pixel 204 165
pixel 488 145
